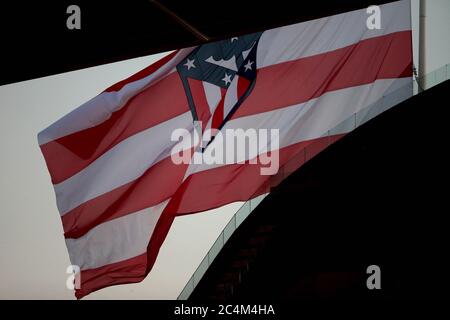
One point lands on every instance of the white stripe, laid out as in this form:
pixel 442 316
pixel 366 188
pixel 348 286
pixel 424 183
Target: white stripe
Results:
pixel 213 95
pixel 115 240
pixel 326 34
pixel 312 119
pixel 100 108
pixel 231 97
pixel 121 164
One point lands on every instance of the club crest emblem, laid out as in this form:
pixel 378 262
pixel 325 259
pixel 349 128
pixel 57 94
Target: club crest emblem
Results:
pixel 218 77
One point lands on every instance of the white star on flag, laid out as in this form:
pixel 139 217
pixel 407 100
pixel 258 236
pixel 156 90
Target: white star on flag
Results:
pixel 189 64
pixel 227 79
pixel 248 66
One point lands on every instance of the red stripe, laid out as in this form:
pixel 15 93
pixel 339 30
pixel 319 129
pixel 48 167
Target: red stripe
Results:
pixel 127 271
pixel 200 101
pixel 242 86
pixel 157 184
pixel 217 118
pixel 143 73
pixel 238 182
pixel 298 81
pixel 70 154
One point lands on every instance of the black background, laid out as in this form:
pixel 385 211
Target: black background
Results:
pixel 35 41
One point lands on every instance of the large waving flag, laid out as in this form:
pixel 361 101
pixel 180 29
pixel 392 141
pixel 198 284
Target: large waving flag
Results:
pixel 117 186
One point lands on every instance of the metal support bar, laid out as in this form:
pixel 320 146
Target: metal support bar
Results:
pixel 422 45
pixel 180 21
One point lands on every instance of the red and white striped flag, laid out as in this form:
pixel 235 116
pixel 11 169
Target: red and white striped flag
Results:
pixel 117 186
